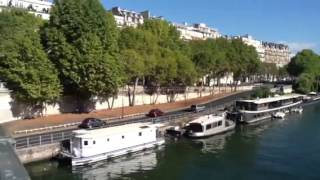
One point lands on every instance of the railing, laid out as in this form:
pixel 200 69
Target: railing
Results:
pixel 42 139
pixel 49 128
pixel 57 137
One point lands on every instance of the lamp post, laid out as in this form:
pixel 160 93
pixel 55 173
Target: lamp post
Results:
pixel 122 109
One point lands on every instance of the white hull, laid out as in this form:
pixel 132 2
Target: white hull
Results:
pixel 218 131
pixel 258 119
pixel 78 161
pixel 249 116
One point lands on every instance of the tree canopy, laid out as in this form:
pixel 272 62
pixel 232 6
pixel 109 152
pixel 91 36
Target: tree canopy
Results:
pixel 305 66
pixel 24 65
pixel 80 52
pixel 216 57
pixel 81 40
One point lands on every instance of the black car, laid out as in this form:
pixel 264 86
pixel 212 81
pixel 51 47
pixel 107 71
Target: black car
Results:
pixel 90 123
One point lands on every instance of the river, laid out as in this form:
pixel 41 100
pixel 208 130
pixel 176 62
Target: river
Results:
pixel 286 149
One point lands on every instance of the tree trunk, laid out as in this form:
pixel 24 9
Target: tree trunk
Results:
pixel 132 93
pixel 129 95
pixel 110 104
pixel 218 83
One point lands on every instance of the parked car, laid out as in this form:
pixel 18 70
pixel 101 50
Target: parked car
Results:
pixel 90 123
pixel 197 108
pixel 155 113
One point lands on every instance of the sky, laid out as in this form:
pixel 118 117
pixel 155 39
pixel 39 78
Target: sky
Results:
pixel 293 22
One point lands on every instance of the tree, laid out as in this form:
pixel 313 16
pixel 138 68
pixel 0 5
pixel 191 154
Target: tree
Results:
pixel 305 66
pixel 81 40
pixel 170 59
pixel 269 70
pixel 215 58
pixel 304 83
pixel 24 65
pixel 138 48
pixel 303 61
pixel 244 60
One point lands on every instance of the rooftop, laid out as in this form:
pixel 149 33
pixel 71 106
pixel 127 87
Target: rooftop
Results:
pixel 85 133
pixel 272 99
pixel 207 119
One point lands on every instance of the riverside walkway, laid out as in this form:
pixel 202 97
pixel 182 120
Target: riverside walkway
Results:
pixel 127 112
pixel 10 166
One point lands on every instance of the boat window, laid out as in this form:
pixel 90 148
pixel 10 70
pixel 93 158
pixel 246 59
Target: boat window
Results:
pixel 122 137
pixel 195 127
pixel 208 126
pixel 85 143
pixel 108 139
pixel 94 142
pixel 214 125
pixel 140 133
pixel 219 123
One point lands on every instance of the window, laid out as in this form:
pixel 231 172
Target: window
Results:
pixel 122 137
pixel 208 126
pixel 140 133
pixel 94 142
pixel 85 143
pixel 108 139
pixel 219 123
pixel 195 127
pixel 214 125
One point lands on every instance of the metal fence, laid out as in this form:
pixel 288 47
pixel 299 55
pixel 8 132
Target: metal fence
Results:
pixel 56 137
pixel 43 139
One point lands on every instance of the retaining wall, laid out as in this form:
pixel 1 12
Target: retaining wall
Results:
pixel 38 153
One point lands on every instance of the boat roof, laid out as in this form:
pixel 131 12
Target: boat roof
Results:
pixel 86 133
pixel 312 93
pixel 207 119
pixel 272 99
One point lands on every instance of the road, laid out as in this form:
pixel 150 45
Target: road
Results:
pixel 57 136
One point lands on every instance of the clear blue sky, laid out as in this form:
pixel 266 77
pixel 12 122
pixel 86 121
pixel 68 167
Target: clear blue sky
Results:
pixel 294 22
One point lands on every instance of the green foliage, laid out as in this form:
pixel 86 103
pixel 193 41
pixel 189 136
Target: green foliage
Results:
pixel 304 61
pixel 220 56
pixel 305 83
pixel 81 40
pixel 306 67
pixel 171 56
pixel 24 65
pixel 263 92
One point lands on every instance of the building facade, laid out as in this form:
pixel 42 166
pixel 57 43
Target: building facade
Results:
pixel 39 8
pixel 197 31
pixel 268 52
pixel 250 41
pixel 128 18
pixel 278 54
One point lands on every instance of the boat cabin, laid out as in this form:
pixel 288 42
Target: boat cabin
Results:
pixel 86 143
pixel 206 123
pixel 268 103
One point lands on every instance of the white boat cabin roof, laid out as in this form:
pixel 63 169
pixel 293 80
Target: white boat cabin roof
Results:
pixel 87 134
pixel 272 99
pixel 207 119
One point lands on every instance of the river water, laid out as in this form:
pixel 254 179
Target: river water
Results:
pixel 286 149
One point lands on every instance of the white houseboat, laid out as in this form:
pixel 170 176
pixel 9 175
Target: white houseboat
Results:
pixel 209 125
pixel 260 109
pixel 89 146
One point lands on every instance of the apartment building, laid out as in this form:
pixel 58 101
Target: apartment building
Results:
pixel 40 8
pixel 196 31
